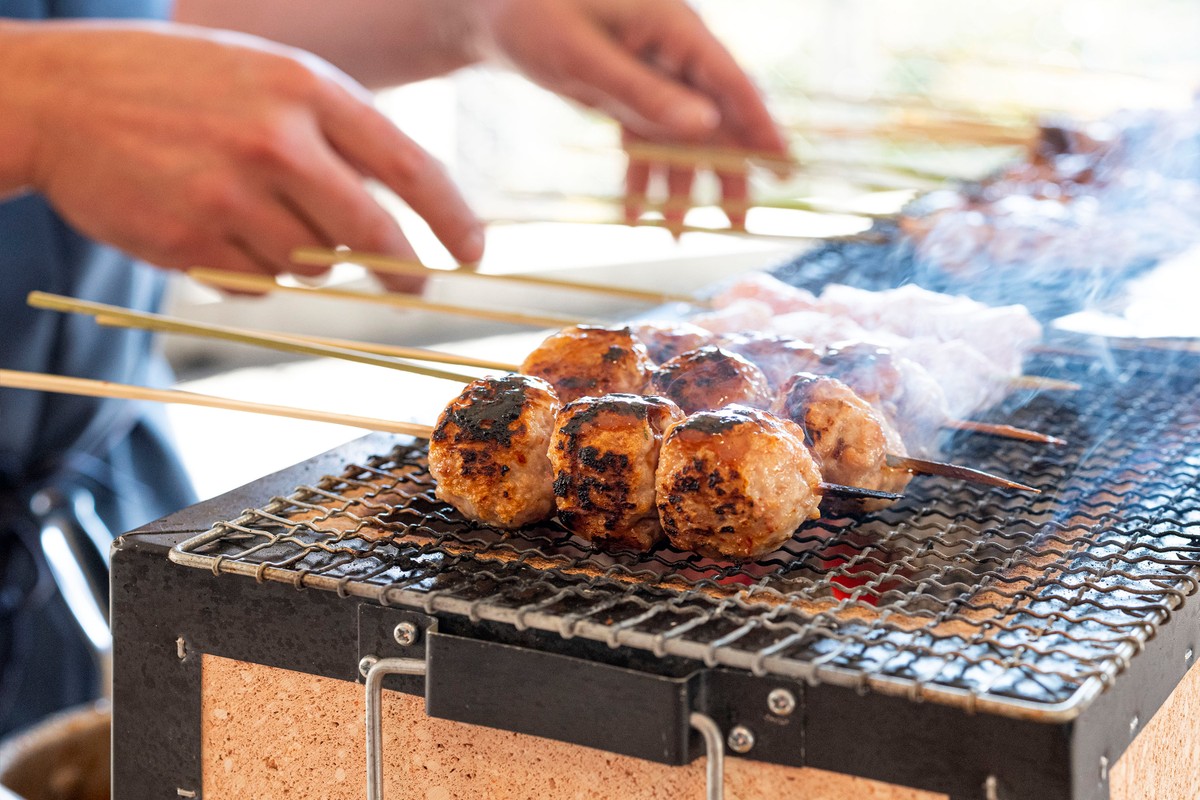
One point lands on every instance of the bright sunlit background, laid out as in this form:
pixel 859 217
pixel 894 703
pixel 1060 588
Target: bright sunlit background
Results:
pixel 879 99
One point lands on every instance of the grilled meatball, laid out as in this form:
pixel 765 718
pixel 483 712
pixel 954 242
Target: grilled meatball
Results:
pixel 709 378
pixel 735 483
pixel 901 390
pixel 588 360
pixel 779 357
pixel 665 340
pixel 849 440
pixel 488 451
pixel 604 453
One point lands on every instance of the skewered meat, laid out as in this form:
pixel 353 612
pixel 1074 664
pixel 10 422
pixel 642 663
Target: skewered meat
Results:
pixel 488 451
pixel 848 438
pixel 709 378
pixel 779 296
pixel 735 483
pixel 604 454
pixel 665 340
pixel 904 392
pixel 588 360
pixel 779 357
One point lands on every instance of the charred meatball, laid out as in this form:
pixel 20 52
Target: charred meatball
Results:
pixel 901 390
pixel 848 438
pixel 489 451
pixel 604 454
pixel 589 361
pixel 779 357
pixel 710 378
pixel 735 483
pixel 665 340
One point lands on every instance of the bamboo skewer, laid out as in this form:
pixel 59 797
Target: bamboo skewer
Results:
pixel 1003 431
pixel 868 237
pixel 258 283
pixel 58 384
pixel 398 266
pixel 925 467
pixel 727 205
pixel 121 317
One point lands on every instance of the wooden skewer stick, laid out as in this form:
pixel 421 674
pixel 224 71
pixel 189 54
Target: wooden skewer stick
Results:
pixel 259 283
pixel 115 316
pixel 58 384
pixel 725 204
pixel 399 266
pixel 722 159
pixel 1040 384
pixel 925 467
pixel 868 237
pixel 1004 431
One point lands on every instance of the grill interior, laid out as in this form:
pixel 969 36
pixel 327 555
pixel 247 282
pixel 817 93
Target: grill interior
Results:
pixel 1017 604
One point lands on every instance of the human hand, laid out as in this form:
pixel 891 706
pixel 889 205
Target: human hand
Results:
pixel 657 69
pixel 188 147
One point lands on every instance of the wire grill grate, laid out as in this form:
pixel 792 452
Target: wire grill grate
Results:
pixel 986 599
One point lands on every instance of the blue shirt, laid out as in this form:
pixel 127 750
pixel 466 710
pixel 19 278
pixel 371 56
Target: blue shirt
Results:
pixel 117 449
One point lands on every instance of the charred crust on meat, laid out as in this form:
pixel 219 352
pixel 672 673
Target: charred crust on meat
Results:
pixel 488 411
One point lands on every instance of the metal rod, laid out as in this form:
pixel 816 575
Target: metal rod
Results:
pixel 856 491
pixel 374 683
pixel 714 749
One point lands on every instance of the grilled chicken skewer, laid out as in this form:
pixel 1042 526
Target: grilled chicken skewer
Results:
pixel 503 454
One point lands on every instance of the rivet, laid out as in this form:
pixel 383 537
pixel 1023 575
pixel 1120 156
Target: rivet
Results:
pixel 1133 723
pixel 185 792
pixel 406 634
pixel 741 740
pixel 781 702
pixel 991 788
pixel 365 665
pixel 1188 655
pixel 181 648
pixel 1103 768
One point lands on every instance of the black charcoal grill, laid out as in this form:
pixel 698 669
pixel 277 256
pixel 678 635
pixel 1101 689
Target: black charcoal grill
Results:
pixel 968 642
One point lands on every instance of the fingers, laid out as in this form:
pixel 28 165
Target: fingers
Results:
pixel 679 193
pixel 373 145
pixel 600 73
pixel 637 185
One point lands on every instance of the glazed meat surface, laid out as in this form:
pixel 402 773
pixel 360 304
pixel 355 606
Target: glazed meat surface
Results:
pixel 489 451
pixel 848 438
pixel 711 378
pixel 604 454
pixel 735 483
pixel 590 361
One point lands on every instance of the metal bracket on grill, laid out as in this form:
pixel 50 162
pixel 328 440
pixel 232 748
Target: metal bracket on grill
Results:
pixel 541 694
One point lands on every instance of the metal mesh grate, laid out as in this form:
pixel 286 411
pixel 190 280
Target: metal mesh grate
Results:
pixel 960 594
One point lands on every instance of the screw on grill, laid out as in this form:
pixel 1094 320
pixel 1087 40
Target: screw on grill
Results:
pixel 741 740
pixel 406 634
pixel 781 702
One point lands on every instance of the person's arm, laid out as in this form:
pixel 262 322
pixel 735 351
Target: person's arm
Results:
pixel 379 42
pixel 191 147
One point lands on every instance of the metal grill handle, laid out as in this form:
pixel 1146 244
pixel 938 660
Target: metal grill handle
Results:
pixel 714 744
pixel 714 749
pixel 374 680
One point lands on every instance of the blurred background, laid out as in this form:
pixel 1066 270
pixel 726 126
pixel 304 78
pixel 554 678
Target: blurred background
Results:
pixel 882 101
